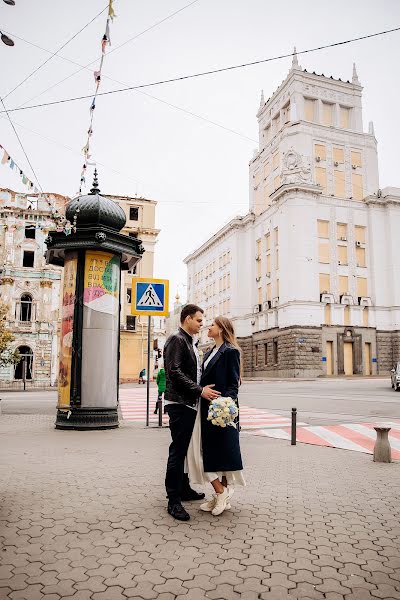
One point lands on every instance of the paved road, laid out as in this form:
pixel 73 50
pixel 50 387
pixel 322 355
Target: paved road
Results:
pixel 320 401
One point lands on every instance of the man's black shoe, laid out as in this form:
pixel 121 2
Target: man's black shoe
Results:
pixel 177 511
pixel 191 495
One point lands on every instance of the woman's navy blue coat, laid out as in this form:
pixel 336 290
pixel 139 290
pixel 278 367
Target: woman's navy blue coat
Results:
pixel 221 449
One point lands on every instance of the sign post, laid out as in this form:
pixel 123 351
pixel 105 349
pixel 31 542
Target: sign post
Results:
pixel 149 297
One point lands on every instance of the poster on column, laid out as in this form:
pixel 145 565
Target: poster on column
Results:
pixel 67 325
pixel 101 292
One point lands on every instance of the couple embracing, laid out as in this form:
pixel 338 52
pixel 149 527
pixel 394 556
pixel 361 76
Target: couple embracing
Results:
pixel 201 452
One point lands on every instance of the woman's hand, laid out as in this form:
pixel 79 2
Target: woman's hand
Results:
pixel 208 393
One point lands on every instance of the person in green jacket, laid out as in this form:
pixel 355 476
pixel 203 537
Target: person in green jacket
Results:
pixel 161 384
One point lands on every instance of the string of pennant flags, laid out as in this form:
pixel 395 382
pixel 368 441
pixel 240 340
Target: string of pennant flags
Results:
pixel 58 219
pixel 105 41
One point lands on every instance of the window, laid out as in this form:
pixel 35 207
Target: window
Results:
pixel 365 316
pixel 269 292
pixel 343 284
pixel 338 155
pixel 362 286
pixel 286 113
pixel 256 355
pixel 268 263
pixel 258 247
pixel 309 109
pixel 360 257
pixel 277 182
pixel 344 117
pixel 324 283
pixel 342 255
pixel 320 151
pixel 346 315
pixel 257 178
pixel 25 367
pixel 26 308
pixel 268 133
pixel 276 124
pixel 134 213
pixel 327 113
pixel 320 177
pixel 323 252
pixel 131 323
pixel 265 354
pixel 277 288
pixel 133 270
pixel 339 184
pixel 323 229
pixel 268 241
pixel 267 170
pixel 259 295
pixel 327 314
pixel 341 231
pixel 357 186
pixel 30 233
pixel 258 269
pixel 275 352
pixel 275 161
pixel 133 234
pixel 356 159
pixel 277 259
pixel 359 233
pixel 129 295
pixel 28 259
pixel 276 236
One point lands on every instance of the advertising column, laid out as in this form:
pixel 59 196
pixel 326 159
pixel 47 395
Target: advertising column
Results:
pixel 67 325
pixel 100 334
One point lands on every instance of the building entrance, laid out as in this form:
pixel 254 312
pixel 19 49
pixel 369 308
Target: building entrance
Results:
pixel 348 358
pixel 27 358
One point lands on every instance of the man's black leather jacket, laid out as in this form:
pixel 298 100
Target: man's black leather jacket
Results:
pixel 180 366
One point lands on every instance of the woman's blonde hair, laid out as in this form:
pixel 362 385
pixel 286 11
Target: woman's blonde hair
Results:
pixel 228 335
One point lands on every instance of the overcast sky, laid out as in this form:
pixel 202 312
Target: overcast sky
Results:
pixel 197 171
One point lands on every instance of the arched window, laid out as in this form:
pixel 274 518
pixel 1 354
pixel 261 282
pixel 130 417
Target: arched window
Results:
pixel 26 308
pixel 26 364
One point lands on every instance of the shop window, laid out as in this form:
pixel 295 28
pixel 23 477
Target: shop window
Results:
pixel 275 352
pixel 131 323
pixel 265 354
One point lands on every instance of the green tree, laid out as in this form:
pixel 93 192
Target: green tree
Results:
pixel 6 337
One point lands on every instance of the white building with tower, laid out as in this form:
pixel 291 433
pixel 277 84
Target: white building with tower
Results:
pixel 311 275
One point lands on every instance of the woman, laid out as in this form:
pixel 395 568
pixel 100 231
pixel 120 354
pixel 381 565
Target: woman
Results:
pixel 214 452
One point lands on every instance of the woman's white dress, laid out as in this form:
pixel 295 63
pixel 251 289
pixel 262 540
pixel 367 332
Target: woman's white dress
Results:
pixel 194 458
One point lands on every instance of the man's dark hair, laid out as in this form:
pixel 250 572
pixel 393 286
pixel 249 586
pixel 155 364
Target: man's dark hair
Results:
pixel 189 311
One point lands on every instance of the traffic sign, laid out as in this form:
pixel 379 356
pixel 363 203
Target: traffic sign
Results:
pixel 149 296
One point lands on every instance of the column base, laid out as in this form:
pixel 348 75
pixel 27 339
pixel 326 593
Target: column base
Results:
pixel 87 418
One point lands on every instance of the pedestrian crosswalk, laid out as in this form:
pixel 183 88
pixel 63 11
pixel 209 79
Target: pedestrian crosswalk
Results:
pixel 359 437
pixel 133 407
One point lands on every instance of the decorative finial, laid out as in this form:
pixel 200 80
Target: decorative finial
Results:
pixel 95 189
pixel 355 76
pixel 177 298
pixel 295 62
pixel 262 101
pixel 371 128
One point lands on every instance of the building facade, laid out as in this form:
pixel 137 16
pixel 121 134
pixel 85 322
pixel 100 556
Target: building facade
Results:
pixel 140 223
pixel 30 288
pixel 314 268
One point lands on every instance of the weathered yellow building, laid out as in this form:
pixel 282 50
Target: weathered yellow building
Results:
pixel 140 223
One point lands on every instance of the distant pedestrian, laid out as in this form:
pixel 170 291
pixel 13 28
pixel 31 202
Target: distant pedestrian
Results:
pixel 161 384
pixel 142 376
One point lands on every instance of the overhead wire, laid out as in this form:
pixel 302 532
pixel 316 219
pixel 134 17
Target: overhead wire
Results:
pixel 53 54
pixel 22 146
pixel 110 51
pixel 206 73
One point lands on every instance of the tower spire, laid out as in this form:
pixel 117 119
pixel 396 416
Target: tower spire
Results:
pixel 355 76
pixel 95 189
pixel 295 62
pixel 262 101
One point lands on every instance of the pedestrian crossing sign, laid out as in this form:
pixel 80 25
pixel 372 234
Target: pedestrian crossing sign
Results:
pixel 149 296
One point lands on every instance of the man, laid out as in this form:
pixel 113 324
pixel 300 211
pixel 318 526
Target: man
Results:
pixel 183 374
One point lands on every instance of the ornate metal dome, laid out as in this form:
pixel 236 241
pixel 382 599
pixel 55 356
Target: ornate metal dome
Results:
pixel 94 210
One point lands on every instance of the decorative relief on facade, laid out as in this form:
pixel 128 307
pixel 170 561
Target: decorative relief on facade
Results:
pixel 296 168
pixel 45 284
pixel 6 280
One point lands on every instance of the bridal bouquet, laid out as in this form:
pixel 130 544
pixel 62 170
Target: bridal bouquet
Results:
pixel 223 412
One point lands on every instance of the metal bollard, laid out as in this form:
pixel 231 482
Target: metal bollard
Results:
pixel 160 411
pixel 382 449
pixel 294 420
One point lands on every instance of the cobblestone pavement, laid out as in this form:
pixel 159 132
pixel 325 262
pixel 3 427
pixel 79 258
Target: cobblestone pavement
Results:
pixel 83 517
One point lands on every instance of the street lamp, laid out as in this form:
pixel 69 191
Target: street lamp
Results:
pixel 6 40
